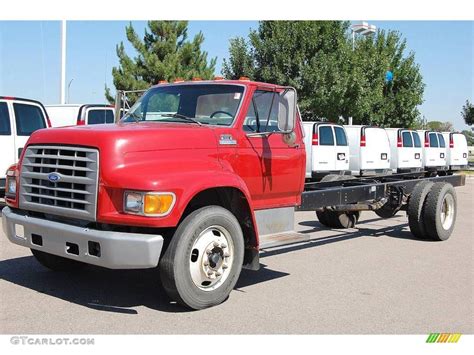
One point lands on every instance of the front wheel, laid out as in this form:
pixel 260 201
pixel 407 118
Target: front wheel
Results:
pixel 203 261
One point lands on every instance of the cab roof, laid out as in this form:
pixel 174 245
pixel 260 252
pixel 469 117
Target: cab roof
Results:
pixel 241 81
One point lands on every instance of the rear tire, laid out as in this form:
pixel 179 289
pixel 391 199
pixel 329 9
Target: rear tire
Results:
pixel 439 211
pixel 203 261
pixel 415 209
pixel 338 219
pixel 57 263
pixel 387 211
pixel 323 217
pixel 342 220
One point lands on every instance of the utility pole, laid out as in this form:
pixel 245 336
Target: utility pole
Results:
pixel 62 96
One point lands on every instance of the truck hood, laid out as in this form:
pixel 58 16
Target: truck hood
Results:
pixel 122 138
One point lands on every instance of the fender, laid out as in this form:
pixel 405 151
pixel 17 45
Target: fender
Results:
pixel 185 173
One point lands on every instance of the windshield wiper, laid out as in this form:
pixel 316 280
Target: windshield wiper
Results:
pixel 183 117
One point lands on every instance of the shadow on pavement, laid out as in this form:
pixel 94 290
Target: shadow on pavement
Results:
pixel 121 291
pixel 396 231
pixel 118 291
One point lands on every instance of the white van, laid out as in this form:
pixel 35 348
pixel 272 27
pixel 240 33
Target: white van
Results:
pixel 457 152
pixel 434 151
pixel 83 114
pixel 406 150
pixel 369 150
pixel 18 119
pixel 327 149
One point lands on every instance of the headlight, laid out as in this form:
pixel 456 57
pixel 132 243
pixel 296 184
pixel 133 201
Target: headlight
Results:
pixel 133 202
pixel 148 203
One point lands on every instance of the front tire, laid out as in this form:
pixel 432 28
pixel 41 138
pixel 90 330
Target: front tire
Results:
pixel 204 258
pixel 56 263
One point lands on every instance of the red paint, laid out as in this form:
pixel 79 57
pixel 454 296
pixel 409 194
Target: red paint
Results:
pixel 186 159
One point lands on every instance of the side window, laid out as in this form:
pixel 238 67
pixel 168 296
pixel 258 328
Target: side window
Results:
pixel 28 118
pixel 434 140
pixel 326 136
pixel 100 116
pixel 416 140
pixel 5 129
pixel 407 139
pixel 341 139
pixel 442 143
pixel 262 115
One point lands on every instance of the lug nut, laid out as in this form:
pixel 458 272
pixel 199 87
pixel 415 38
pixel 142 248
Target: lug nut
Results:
pixel 216 244
pixel 226 255
pixel 210 273
pixel 223 246
pixel 206 263
pixel 208 252
pixel 218 274
pixel 225 266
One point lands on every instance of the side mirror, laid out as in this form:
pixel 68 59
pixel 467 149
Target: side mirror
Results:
pixel 287 110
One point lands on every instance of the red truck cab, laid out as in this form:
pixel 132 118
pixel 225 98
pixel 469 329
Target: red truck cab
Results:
pixel 188 180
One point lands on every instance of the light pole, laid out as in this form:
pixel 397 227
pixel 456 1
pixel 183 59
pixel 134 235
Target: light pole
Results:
pixel 68 87
pixel 62 96
pixel 361 28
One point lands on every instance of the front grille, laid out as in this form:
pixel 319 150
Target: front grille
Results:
pixel 73 194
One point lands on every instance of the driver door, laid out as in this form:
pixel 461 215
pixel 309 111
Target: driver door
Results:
pixel 272 169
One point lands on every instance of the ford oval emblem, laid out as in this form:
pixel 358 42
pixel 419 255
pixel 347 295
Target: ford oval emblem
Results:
pixel 54 177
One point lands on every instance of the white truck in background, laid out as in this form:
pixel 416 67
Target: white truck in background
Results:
pixel 406 150
pixel 434 152
pixel 457 151
pixel 327 150
pixel 369 150
pixel 18 119
pixel 80 114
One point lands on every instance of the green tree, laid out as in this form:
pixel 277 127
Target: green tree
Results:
pixel 468 113
pixel 240 62
pixel 469 137
pixel 439 126
pixel 303 54
pixel 332 80
pixel 376 101
pixel 164 53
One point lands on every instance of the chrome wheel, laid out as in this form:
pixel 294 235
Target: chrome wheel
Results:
pixel 447 211
pixel 211 258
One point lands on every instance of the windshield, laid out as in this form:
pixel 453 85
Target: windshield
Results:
pixel 195 103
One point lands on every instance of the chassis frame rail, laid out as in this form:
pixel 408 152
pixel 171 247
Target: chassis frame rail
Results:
pixel 363 192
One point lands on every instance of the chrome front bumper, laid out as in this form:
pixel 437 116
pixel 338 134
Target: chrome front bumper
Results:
pixel 117 250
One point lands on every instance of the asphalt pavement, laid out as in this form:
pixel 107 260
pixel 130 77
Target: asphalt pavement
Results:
pixel 372 279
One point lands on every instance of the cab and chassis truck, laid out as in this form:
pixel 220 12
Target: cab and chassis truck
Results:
pixel 195 180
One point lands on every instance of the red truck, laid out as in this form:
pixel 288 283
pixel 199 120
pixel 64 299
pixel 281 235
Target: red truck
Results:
pixel 196 179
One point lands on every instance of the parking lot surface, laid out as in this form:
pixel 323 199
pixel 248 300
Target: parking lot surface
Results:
pixel 372 279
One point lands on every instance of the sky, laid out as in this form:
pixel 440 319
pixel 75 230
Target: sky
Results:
pixel 30 58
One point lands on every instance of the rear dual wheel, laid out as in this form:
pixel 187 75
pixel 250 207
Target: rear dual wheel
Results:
pixel 432 210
